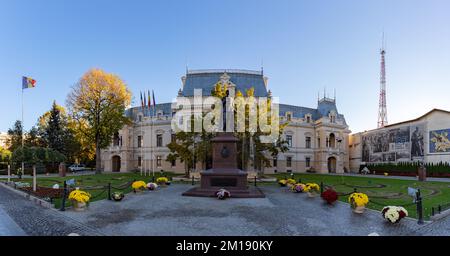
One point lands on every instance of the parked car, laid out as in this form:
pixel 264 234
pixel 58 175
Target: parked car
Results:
pixel 77 167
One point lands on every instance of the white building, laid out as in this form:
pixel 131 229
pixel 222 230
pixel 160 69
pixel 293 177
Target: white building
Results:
pixel 318 137
pixel 3 139
pixel 425 139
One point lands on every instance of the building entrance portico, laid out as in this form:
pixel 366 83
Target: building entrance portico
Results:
pixel 116 163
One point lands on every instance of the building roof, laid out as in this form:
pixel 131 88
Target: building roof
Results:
pixel 166 109
pixel 409 121
pixel 206 79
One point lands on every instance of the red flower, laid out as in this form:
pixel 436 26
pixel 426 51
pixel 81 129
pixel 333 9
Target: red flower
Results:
pixel 329 195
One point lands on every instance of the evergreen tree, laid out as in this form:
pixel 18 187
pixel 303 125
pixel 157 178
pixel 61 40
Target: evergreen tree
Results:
pixel 15 136
pixel 53 133
pixel 33 139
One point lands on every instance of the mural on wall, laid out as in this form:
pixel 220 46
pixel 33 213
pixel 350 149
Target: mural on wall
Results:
pixel 417 142
pixel 440 141
pixel 397 144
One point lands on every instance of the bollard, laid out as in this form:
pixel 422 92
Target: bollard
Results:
pixel 255 180
pixel 299 180
pixel 153 178
pixel 192 180
pixel 355 190
pixel 419 207
pixel 9 173
pixel 321 187
pixel 439 209
pixel 63 202
pixel 109 191
pixel 432 211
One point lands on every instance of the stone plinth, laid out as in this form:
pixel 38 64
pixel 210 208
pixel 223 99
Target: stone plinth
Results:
pixel 224 173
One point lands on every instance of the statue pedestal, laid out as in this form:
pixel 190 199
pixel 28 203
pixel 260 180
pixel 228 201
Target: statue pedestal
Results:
pixel 224 173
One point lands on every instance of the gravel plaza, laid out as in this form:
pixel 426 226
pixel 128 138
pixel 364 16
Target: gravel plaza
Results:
pixel 166 213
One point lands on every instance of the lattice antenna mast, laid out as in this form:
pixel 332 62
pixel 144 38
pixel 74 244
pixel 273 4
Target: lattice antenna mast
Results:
pixel 382 111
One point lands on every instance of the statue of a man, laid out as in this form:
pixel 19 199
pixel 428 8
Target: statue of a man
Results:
pixel 224 111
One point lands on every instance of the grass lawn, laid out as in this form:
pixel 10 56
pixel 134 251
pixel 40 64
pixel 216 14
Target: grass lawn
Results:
pixel 382 191
pixel 94 184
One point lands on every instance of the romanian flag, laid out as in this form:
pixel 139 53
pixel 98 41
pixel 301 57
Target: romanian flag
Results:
pixel 149 101
pixel 142 101
pixel 28 82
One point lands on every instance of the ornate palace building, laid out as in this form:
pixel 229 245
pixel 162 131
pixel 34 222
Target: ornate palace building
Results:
pixel 317 137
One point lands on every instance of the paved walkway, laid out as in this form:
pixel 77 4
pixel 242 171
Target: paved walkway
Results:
pixel 36 220
pixel 166 212
pixel 8 227
pixel 68 174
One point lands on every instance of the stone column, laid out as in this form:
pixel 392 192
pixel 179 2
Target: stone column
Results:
pixel 9 173
pixel 62 170
pixel 34 178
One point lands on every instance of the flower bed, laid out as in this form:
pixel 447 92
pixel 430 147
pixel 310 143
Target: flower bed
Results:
pixel 44 192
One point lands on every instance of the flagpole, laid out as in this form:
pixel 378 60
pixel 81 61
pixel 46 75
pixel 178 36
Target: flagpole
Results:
pixel 23 153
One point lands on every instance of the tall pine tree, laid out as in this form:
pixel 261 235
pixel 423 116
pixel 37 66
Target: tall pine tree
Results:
pixel 53 133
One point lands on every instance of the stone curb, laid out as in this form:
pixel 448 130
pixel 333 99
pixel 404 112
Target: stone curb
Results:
pixel 34 199
pixel 440 215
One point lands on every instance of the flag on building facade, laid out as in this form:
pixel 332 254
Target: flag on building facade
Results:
pixel 28 82
pixel 149 101
pixel 154 102
pixel 142 101
pixel 145 101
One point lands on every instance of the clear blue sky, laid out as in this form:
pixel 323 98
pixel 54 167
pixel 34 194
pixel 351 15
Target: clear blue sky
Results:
pixel 305 46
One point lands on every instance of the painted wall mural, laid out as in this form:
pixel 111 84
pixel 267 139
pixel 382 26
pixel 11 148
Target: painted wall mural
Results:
pixel 391 145
pixel 440 141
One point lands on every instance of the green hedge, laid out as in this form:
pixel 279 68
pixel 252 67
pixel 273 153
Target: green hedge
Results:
pixel 432 168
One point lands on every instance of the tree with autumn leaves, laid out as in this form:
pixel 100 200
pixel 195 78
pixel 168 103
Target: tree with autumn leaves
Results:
pixel 97 106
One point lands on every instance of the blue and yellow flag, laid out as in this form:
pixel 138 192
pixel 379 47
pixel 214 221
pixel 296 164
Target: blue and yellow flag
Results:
pixel 28 82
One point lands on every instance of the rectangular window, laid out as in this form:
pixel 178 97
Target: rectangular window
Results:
pixel 139 161
pixel 308 162
pixel 308 142
pixel 275 162
pixel 289 140
pixel 288 161
pixel 173 163
pixel 139 141
pixel 289 117
pixel 308 119
pixel 140 118
pixel 173 138
pixel 158 161
pixel 318 142
pixel 159 140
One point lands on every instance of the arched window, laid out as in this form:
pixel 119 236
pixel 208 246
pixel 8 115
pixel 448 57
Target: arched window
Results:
pixel 332 141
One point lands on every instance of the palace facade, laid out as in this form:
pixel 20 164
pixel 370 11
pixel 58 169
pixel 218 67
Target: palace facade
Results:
pixel 317 137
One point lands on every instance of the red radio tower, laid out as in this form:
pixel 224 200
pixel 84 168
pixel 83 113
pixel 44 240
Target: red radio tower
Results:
pixel 382 111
